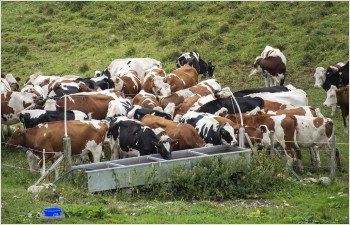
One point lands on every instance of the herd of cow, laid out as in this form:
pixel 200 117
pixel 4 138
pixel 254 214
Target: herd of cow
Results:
pixel 137 109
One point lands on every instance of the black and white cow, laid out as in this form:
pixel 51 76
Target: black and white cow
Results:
pixel 272 89
pixel 31 118
pixel 61 89
pixel 245 103
pixel 130 138
pixel 139 113
pixel 103 82
pixel 140 65
pixel 272 65
pixel 337 75
pixel 209 129
pixel 194 60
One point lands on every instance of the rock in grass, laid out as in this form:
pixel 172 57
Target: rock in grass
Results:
pixel 325 180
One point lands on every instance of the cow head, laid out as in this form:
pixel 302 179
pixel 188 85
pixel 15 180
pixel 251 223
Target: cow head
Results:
pixel 104 72
pixel 331 99
pixel 167 142
pixel 265 135
pixel 157 83
pixel 164 146
pixel 159 86
pixel 210 70
pixel 17 138
pixel 257 69
pixel 332 78
pixel 320 77
pixel 227 134
pixel 13 82
pixel 224 93
pixel 118 84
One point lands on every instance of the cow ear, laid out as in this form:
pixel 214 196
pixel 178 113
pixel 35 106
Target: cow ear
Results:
pixel 18 78
pixel 263 128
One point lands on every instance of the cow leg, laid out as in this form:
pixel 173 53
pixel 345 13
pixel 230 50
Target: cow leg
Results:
pixel 299 160
pixel 2 132
pixel 114 146
pixel 267 82
pixel 345 118
pixel 315 156
pixel 328 149
pixel 337 158
pixel 96 153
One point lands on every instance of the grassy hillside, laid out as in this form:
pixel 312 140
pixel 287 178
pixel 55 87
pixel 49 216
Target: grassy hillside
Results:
pixel 61 38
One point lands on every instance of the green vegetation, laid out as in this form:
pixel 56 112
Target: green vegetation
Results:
pixel 61 38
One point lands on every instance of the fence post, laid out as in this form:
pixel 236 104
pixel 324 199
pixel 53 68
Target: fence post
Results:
pixel 66 140
pixel 272 139
pixel 250 142
pixel 333 149
pixel 241 137
pixel 67 153
pixel 44 162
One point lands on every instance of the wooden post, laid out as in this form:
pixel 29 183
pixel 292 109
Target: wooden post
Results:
pixel 333 149
pixel 250 142
pixel 272 139
pixel 67 153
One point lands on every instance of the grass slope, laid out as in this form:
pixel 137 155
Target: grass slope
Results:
pixel 60 38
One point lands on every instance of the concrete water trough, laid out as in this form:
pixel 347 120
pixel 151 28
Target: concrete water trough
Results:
pixel 136 171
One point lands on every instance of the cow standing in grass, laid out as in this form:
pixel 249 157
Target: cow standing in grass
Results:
pixel 272 65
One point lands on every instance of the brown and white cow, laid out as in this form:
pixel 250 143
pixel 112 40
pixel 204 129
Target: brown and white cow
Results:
pixel 86 135
pixel 260 136
pixel 59 89
pixel 93 104
pixel 9 83
pixel 127 81
pixel 147 100
pixel 35 89
pixel 184 136
pixel 314 133
pixel 12 103
pixel 179 79
pixel 140 65
pixel 204 88
pixel 45 82
pixel 339 97
pixel 272 65
pixel 148 82
pixel 284 127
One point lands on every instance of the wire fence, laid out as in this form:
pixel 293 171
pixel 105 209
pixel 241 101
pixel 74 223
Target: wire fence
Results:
pixel 40 152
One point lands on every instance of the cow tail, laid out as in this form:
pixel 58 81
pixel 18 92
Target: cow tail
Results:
pixel 295 132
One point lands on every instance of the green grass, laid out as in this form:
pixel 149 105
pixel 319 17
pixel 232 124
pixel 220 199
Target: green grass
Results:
pixel 60 38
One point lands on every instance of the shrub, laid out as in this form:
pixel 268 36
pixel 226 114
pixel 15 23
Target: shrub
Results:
pixel 219 178
pixel 223 29
pixel 76 6
pixel 266 25
pixel 130 51
pixel 22 50
pixel 83 68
